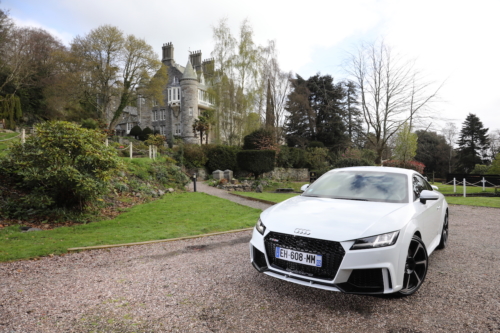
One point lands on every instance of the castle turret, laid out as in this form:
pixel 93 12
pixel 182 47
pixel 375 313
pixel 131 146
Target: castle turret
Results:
pixel 189 103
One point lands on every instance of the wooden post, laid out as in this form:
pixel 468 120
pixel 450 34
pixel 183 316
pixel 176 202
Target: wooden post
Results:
pixel 454 185
pixel 484 182
pixel 23 136
pixel 465 188
pixel 149 151
pixel 107 144
pixel 131 150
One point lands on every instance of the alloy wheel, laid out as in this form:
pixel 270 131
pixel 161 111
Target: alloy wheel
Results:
pixel 415 267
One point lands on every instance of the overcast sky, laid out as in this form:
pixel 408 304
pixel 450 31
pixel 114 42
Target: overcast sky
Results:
pixel 453 41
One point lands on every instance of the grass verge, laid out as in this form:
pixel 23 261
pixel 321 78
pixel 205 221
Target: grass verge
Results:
pixel 475 201
pixel 172 216
pixel 468 201
pixel 273 186
pixel 448 189
pixel 273 197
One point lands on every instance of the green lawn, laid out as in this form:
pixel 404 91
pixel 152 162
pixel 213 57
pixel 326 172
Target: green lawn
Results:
pixel 469 201
pixel 475 201
pixel 174 215
pixel 448 189
pixel 273 197
pixel 295 185
pixel 5 144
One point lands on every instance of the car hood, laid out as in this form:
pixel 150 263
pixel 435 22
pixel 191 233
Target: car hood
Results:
pixel 336 219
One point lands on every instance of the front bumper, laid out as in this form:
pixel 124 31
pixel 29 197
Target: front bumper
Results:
pixel 371 271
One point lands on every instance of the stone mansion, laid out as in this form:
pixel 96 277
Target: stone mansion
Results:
pixel 185 97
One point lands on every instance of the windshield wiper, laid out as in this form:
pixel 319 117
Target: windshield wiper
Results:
pixel 353 199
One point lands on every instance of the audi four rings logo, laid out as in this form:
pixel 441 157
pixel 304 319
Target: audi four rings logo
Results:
pixel 302 231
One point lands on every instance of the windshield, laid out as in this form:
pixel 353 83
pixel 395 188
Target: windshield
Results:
pixel 361 185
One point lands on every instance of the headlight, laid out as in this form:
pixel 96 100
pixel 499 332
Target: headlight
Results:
pixel 260 227
pixel 376 241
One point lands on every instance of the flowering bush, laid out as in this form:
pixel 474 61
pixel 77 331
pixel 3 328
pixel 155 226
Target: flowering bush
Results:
pixel 413 165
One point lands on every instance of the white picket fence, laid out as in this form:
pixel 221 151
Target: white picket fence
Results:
pixel 465 183
pixel 153 150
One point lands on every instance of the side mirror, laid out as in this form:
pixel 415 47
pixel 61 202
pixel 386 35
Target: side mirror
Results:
pixel 304 187
pixel 428 195
pixel 435 187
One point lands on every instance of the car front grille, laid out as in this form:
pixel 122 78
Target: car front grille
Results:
pixel 332 253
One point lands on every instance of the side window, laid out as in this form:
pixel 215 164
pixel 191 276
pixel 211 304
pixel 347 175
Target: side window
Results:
pixel 428 186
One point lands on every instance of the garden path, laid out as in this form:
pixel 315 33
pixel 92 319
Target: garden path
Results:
pixel 201 187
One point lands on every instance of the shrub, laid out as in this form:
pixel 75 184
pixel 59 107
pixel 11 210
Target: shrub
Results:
pixel 480 169
pixel 291 157
pixel 256 161
pixel 350 162
pixel 145 134
pixel 194 156
pixel 413 165
pixel 63 165
pixel 495 166
pixel 222 158
pixel 136 132
pixel 257 139
pixel 90 124
pixel 315 144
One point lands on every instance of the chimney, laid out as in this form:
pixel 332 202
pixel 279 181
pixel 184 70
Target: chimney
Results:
pixel 168 54
pixel 195 58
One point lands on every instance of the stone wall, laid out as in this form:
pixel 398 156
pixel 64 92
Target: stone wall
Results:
pixel 288 174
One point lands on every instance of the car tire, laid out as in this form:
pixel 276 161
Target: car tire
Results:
pixel 444 234
pixel 415 268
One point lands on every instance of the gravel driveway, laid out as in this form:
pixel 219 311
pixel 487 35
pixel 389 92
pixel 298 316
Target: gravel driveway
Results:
pixel 209 285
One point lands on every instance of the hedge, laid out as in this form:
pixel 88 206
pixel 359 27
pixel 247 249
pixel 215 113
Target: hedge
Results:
pixel 256 161
pixel 222 158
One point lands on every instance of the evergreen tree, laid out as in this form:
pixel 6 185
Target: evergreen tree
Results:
pixel 473 144
pixel 298 125
pixel 433 151
pixel 316 112
pixel 353 117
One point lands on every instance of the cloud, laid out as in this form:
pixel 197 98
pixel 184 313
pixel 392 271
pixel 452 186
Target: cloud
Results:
pixel 64 37
pixel 454 40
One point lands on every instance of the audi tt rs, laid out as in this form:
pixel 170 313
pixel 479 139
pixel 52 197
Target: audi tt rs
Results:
pixel 361 230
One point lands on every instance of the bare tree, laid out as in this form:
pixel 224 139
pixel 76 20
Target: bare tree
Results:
pixel 391 92
pixel 450 132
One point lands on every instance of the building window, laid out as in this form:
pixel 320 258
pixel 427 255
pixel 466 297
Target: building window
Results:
pixel 163 114
pixel 190 112
pixel 177 129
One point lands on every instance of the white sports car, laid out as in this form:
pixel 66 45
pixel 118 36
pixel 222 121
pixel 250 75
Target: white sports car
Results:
pixel 362 230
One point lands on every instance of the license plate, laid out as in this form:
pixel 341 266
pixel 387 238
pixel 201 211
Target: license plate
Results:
pixel 300 257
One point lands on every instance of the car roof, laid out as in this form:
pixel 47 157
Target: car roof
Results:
pixel 378 169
